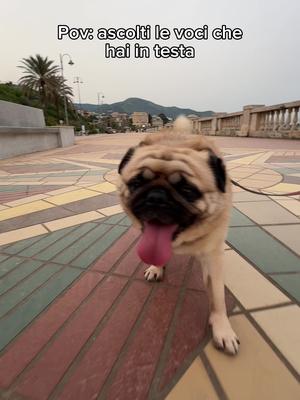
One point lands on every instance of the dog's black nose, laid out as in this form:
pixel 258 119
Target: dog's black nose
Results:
pixel 156 196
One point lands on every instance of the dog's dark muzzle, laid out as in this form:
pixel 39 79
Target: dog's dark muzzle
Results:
pixel 158 205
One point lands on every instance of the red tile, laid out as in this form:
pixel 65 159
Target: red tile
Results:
pixel 176 269
pixel 94 368
pixel 191 328
pixel 129 263
pixel 134 376
pixel 195 280
pixel 174 272
pixel 40 380
pixel 109 258
pixel 27 345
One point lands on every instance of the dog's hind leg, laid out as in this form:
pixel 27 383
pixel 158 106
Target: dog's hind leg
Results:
pixel 223 335
pixel 153 273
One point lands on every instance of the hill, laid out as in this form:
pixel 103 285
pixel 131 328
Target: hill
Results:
pixel 135 104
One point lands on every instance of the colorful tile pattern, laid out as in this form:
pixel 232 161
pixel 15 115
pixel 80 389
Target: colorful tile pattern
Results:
pixel 77 319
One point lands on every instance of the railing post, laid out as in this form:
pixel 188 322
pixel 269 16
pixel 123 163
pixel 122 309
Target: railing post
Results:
pixel 276 122
pixel 295 119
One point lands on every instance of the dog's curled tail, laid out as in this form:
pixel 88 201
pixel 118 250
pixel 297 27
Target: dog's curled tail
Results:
pixel 183 125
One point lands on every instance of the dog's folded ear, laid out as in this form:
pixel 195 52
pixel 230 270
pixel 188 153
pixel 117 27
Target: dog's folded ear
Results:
pixel 126 159
pixel 218 169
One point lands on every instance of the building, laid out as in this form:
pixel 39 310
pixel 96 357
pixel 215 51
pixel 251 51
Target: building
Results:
pixel 140 119
pixel 121 119
pixel 157 122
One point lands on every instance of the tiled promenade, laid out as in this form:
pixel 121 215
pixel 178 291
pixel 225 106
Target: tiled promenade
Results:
pixel 77 319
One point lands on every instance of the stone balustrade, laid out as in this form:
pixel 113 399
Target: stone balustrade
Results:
pixel 279 121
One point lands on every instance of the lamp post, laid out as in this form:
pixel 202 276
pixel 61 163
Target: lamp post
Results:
pixel 61 57
pixel 102 97
pixel 78 80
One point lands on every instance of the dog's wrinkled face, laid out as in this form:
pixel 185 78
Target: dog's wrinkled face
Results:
pixel 168 186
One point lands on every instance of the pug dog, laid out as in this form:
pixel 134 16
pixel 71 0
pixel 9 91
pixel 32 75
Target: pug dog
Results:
pixel 175 189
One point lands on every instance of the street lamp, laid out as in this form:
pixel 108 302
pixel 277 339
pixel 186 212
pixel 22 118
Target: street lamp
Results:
pixel 61 57
pixel 78 80
pixel 102 97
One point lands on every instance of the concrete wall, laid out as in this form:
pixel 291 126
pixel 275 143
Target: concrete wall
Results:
pixel 17 141
pixel 23 131
pixel 12 114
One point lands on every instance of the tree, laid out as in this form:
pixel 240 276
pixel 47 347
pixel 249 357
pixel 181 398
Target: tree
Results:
pixel 164 118
pixel 41 75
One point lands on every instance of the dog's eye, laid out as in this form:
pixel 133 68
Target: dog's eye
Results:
pixel 188 191
pixel 135 183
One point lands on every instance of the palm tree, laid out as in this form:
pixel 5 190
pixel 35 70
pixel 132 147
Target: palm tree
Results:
pixel 41 76
pixel 59 90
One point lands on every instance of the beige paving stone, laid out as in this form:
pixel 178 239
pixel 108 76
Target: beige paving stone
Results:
pixel 25 200
pixel 273 179
pixel 57 182
pixel 251 288
pixel 20 234
pixel 194 385
pixel 62 190
pixel 255 183
pixel 268 171
pixel 250 170
pixel 111 210
pixel 264 157
pixel 256 372
pixel 286 188
pixel 24 209
pixel 266 212
pixel 79 194
pixel 282 325
pixel 287 234
pixel 250 159
pixel 246 196
pixel 226 247
pixel 84 184
pixel 290 204
pixel 62 179
pixel 238 173
pixel 73 220
pixel 236 189
pixel 104 187
pixel 108 161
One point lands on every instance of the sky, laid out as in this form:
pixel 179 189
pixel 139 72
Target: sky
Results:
pixel 261 68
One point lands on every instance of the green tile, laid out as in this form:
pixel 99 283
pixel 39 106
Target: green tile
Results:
pixel 9 264
pixel 114 219
pixel 239 219
pixel 289 282
pixel 81 245
pixel 19 273
pixel 263 250
pixel 94 172
pixel 18 293
pixel 126 222
pixel 13 189
pixel 22 244
pixel 74 173
pixel 3 257
pixel 16 321
pixel 60 245
pixel 95 251
pixel 46 241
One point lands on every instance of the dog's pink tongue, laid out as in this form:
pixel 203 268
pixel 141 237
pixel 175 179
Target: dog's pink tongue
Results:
pixel 155 245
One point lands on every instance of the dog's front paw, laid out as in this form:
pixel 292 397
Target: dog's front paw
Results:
pixel 224 336
pixel 154 273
